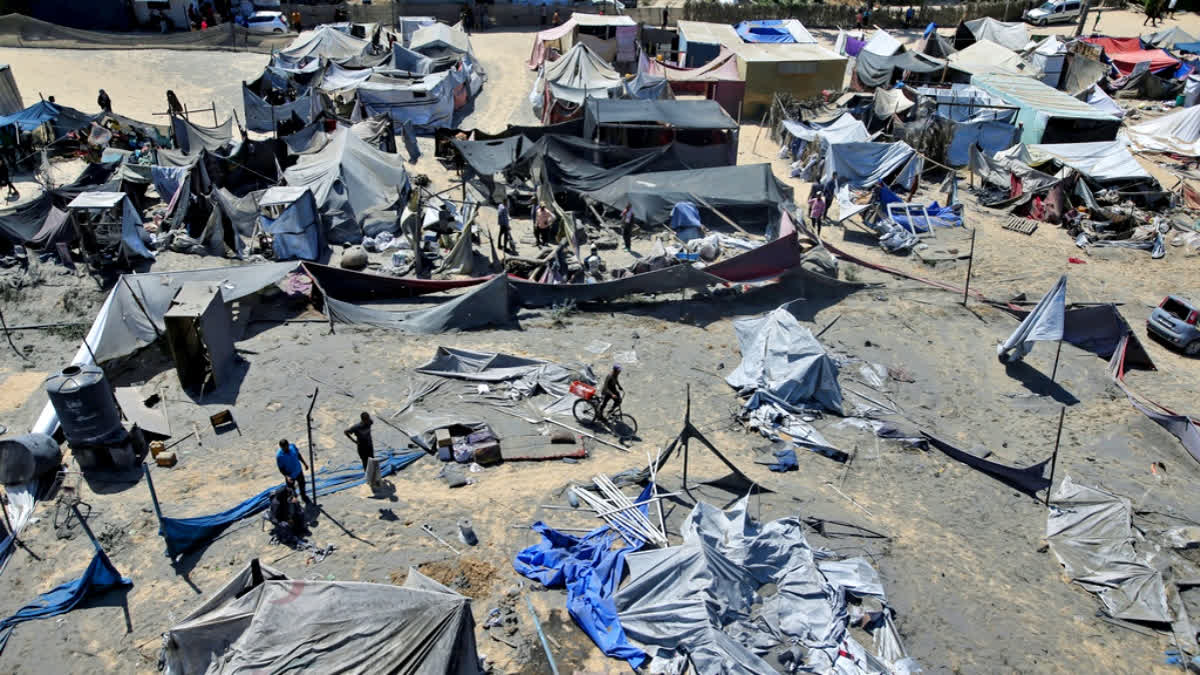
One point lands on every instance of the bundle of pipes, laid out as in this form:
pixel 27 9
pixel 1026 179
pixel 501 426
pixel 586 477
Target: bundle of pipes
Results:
pixel 621 513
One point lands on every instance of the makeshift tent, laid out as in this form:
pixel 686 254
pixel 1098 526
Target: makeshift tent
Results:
pixel 803 70
pixel 1048 115
pixel 718 80
pixel 1126 53
pixel 965 103
pixel 427 101
pixel 324 42
pixel 294 226
pixel 782 358
pixel 987 135
pixel 843 129
pixel 191 137
pixel 700 42
pixel 987 58
pixel 609 36
pixel 865 164
pixel 1100 100
pixel 277 624
pixel 704 132
pixel 410 61
pixel 749 194
pixel 562 86
pixel 1012 36
pixel 1045 322
pixel 1176 133
pixel 774 31
pixel 873 70
pixel 1101 161
pixel 488 304
pixel 109 221
pixel 10 95
pixel 882 44
pixel 1167 38
pixel 265 102
pixel 349 179
pixel 1049 57
pixel 438 38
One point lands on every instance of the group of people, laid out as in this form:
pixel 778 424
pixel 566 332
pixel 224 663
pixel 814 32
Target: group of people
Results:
pixel 285 509
pixel 1155 10
pixel 818 201
pixel 472 21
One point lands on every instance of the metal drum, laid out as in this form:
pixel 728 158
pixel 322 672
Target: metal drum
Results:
pixel 85 405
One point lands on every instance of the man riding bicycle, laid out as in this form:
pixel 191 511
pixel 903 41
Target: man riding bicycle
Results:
pixel 611 391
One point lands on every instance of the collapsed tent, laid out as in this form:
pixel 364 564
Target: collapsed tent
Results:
pixel 1044 323
pixel 1175 133
pixel 696 605
pixel 1012 36
pixel 749 194
pixel 783 359
pixel 666 280
pixel 488 304
pixel 1127 53
pixel 350 179
pixel 865 164
pixel 263 621
pixel 1030 480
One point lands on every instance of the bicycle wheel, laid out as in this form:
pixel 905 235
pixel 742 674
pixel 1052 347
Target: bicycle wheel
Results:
pixel 584 411
pixel 623 425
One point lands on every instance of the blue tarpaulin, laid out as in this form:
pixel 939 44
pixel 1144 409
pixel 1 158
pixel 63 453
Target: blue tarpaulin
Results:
pixel 766 30
pixel 590 570
pixel 99 577
pixel 32 117
pixel 939 216
pixel 185 534
pixel 1188 47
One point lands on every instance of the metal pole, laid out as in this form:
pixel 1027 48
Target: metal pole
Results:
pixel 542 636
pixel 8 334
pixel 1054 458
pixel 213 105
pixel 153 494
pixel 970 263
pixel 312 462
pixel 86 530
pixel 1057 352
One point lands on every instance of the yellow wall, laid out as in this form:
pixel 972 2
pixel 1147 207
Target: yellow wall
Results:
pixel 763 79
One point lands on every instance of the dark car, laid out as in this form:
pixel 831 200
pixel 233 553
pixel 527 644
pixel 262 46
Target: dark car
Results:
pixel 1174 320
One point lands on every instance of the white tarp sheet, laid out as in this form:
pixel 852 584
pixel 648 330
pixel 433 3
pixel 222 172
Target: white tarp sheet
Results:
pixel 883 44
pixel 864 164
pixel 782 358
pixel 844 129
pixel 1100 100
pixel 1012 36
pixel 1045 322
pixel 1102 160
pixel 1177 133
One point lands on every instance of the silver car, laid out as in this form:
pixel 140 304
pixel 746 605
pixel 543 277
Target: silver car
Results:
pixel 1054 11
pixel 1174 320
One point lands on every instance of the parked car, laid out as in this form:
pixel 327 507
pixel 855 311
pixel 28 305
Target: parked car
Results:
pixel 267 22
pixel 1174 320
pixel 1054 11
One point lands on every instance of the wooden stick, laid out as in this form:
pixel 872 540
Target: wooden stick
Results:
pixel 584 433
pixel 1054 458
pixel 970 263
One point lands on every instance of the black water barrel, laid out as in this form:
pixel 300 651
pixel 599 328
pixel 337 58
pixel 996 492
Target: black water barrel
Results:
pixel 23 458
pixel 85 405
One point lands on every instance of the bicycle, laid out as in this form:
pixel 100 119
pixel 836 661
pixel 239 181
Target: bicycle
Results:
pixel 586 412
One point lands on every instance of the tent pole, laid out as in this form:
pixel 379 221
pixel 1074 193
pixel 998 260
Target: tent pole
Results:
pixel 8 335
pixel 213 105
pixel 86 530
pixel 970 263
pixel 1057 353
pixel 153 494
pixel 1054 458
pixel 312 462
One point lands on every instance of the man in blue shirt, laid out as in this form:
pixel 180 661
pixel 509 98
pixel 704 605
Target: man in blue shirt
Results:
pixel 289 461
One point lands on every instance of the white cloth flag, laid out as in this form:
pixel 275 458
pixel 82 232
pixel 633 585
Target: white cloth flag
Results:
pixel 1045 322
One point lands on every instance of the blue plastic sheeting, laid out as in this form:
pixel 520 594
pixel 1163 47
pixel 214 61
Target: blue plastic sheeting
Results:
pixel 1185 68
pixel 590 571
pixel 939 216
pixel 296 233
pixel 766 30
pixel 1188 47
pixel 185 534
pixel 991 137
pixel 865 164
pixel 32 117
pixel 99 577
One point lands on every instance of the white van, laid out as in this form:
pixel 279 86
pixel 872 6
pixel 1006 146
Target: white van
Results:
pixel 1054 11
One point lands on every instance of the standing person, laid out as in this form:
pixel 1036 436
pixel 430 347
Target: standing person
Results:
pixel 296 20
pixel 1149 8
pixel 858 19
pixel 361 435
pixel 104 102
pixel 544 14
pixel 506 238
pixel 829 189
pixel 1171 8
pixel 908 16
pixel 816 210
pixel 664 24
pixel 556 20
pixel 174 107
pixel 543 220
pixel 290 464
pixel 6 181
pixel 627 225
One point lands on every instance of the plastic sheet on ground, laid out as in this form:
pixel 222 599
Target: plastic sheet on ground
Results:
pixel 1029 480
pixel 488 304
pixel 182 535
pixel 528 376
pixel 1182 427
pixel 100 576
pixel 781 357
pixel 1045 322
pixel 1176 133
pixel 285 624
pixel 700 599
pixel 1091 534
pixel 768 261
pixel 666 280
pixel 590 569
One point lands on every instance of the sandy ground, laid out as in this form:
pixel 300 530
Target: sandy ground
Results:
pixel 964 566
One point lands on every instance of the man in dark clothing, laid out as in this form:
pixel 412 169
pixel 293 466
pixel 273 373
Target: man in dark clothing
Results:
pixel 506 238
pixel 664 24
pixel 829 189
pixel 104 102
pixel 627 225
pixel 289 462
pixel 611 390
pixel 361 435
pixel 285 511
pixel 6 181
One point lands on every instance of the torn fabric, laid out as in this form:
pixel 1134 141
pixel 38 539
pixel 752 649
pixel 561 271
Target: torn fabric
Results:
pixel 783 358
pixel 1045 322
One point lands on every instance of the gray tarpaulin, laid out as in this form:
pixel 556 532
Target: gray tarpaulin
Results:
pixel 991 136
pixel 410 61
pixel 349 178
pixel 874 70
pixel 1091 534
pixel 998 170
pixel 325 41
pixel 491 156
pixel 783 358
pixel 262 116
pixel 487 304
pixel 864 164
pixel 530 376
pixel 666 280
pixel 580 73
pixel 292 625
pixel 1012 35
pixel 702 599
pixel 124 325
pixel 1045 322
pixel 193 137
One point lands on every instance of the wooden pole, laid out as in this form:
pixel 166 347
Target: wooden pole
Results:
pixel 970 264
pixel 1054 458
pixel 312 462
pixel 153 494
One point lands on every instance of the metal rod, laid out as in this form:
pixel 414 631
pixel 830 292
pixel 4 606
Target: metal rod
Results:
pixel 541 636
pixel 970 263
pixel 86 530
pixel 8 334
pixel 429 531
pixel 1057 353
pixel 153 493
pixel 312 461
pixel 1054 458
pixel 584 433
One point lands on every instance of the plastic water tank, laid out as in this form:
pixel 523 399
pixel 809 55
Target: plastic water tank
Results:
pixel 85 406
pixel 23 458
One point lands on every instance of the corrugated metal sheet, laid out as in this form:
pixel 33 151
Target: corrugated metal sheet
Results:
pixel 1027 92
